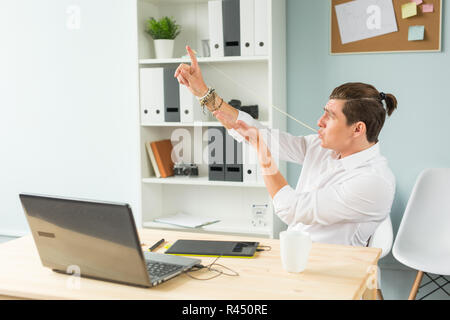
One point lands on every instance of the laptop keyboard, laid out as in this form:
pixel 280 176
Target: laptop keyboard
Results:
pixel 158 269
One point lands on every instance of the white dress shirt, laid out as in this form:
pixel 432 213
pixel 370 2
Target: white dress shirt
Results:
pixel 340 201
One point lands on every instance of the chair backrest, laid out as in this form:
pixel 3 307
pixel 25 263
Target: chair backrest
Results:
pixel 423 238
pixel 383 237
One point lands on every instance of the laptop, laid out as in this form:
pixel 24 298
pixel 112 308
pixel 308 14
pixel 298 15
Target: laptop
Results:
pixel 98 239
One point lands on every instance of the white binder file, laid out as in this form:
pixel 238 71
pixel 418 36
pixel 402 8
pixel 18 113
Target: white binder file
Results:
pixel 216 28
pixel 247 14
pixel 186 105
pixel 152 95
pixel 261 27
pixel 250 160
pixel 259 175
pixel 250 173
pixel 190 108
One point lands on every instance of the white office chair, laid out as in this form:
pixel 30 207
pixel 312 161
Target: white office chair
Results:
pixel 382 238
pixel 423 238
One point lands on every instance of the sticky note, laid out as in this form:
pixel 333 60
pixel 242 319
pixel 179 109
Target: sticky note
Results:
pixel 417 1
pixel 427 8
pixel 409 10
pixel 416 33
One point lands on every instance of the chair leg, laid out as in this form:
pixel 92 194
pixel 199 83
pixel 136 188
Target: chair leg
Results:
pixel 415 287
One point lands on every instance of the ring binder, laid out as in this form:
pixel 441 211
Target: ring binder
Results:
pixel 231 27
pixel 151 94
pixel 171 96
pixel 215 19
pixel 216 153
pixel 233 160
pixel 261 27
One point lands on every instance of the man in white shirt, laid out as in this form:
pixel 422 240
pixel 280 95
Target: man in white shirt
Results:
pixel 346 188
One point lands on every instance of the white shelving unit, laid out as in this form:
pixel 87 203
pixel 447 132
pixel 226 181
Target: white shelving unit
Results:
pixel 253 80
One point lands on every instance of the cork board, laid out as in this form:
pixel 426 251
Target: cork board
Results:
pixel 396 41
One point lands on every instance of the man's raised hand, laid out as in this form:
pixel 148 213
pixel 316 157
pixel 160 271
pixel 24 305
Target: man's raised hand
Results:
pixel 191 75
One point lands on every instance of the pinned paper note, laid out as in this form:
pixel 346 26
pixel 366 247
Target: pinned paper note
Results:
pixel 416 33
pixel 409 10
pixel 417 1
pixel 365 19
pixel 427 8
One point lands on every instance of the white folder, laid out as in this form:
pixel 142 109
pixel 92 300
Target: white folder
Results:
pixel 190 108
pixel 186 105
pixel 261 27
pixel 152 95
pixel 247 13
pixel 216 28
pixel 250 162
pixel 259 175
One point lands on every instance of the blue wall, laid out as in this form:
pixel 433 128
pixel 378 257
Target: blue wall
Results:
pixel 416 137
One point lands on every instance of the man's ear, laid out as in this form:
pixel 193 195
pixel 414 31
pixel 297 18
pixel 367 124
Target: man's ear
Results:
pixel 359 129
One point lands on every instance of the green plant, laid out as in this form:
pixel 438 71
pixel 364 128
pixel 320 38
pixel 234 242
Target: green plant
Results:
pixel 165 28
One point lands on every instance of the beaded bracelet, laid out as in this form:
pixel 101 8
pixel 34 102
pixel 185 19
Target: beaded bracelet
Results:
pixel 207 99
pixel 217 108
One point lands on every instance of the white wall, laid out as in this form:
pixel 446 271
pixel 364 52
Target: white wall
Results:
pixel 68 103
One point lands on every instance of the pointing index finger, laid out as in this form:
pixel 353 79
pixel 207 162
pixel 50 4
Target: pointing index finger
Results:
pixel 193 57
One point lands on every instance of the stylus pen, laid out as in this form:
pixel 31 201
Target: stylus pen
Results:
pixel 156 245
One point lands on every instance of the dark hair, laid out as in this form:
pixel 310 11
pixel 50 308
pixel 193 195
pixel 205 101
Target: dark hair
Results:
pixel 364 103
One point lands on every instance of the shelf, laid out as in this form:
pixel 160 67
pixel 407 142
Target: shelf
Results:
pixel 172 2
pixel 193 124
pixel 223 226
pixel 202 181
pixel 181 124
pixel 202 60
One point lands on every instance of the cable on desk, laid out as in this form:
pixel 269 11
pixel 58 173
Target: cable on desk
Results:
pixel 211 269
pixel 263 248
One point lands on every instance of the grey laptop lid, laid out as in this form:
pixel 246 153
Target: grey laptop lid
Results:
pixel 97 238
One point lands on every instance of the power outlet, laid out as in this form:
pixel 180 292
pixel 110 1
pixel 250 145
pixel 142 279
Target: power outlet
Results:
pixel 259 215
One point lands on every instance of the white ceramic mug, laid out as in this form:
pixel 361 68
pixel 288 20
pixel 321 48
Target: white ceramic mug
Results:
pixel 294 248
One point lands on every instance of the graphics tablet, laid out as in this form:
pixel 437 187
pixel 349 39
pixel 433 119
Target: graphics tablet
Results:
pixel 234 249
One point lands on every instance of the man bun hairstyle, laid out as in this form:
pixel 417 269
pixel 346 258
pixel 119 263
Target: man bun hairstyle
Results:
pixel 365 103
pixel 391 104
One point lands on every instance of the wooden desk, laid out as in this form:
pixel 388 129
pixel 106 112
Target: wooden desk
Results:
pixel 333 272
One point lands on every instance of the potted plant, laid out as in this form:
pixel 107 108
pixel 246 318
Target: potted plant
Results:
pixel 163 32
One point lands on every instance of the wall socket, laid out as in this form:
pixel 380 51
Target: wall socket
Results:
pixel 259 215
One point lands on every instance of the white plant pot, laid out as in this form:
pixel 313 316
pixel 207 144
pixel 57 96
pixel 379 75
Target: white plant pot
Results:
pixel 164 48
